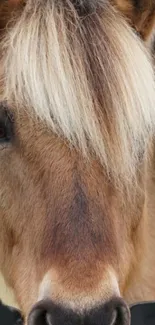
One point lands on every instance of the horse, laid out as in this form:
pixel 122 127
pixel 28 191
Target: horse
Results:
pixel 77 158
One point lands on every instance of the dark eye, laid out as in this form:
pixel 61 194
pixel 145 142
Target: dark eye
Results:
pixel 6 124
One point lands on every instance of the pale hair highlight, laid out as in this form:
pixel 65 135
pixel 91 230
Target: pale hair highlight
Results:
pixel 88 76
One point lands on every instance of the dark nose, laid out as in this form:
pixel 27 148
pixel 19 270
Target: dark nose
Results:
pixel 114 312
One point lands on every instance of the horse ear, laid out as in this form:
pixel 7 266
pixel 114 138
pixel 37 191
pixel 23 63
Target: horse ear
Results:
pixel 140 13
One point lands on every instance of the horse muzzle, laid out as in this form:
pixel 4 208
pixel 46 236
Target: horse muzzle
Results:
pixel 113 312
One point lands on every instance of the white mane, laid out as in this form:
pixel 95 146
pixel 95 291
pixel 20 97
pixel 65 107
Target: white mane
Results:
pixel 88 77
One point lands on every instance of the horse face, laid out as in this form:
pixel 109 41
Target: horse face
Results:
pixel 75 118
pixel 64 232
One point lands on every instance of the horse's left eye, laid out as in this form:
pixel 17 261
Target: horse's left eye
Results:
pixel 6 124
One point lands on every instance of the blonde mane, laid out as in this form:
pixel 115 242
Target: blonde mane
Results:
pixel 87 75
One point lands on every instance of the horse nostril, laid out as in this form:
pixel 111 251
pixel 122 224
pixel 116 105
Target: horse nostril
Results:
pixel 38 316
pixel 47 313
pixel 122 315
pixel 114 312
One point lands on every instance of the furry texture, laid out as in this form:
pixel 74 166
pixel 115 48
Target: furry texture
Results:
pixel 90 90
pixel 140 14
pixel 77 66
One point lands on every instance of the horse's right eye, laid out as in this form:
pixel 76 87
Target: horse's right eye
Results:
pixel 6 124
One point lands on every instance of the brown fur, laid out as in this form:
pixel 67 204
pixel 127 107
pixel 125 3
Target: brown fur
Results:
pixel 5 14
pixel 85 225
pixel 63 215
pixel 140 14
